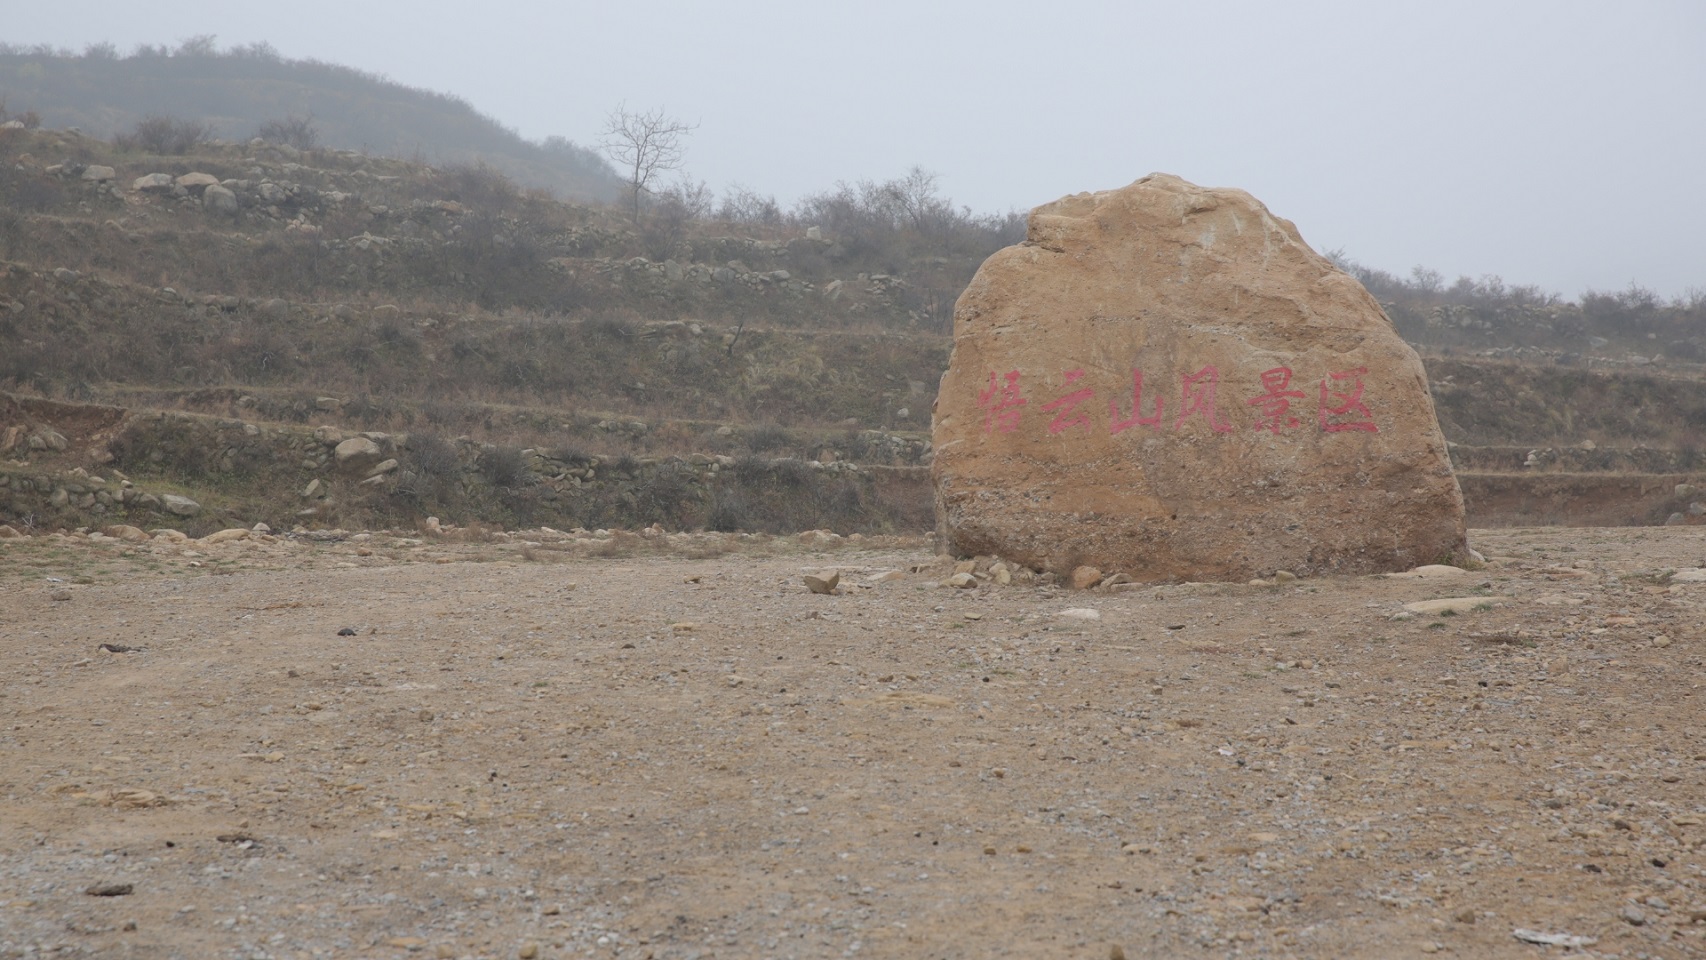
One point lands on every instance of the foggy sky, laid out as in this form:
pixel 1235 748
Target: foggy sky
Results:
pixel 1553 143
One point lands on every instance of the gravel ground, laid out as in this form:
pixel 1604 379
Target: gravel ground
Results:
pixel 545 748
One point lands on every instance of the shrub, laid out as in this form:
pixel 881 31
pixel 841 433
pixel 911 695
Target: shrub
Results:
pixel 504 467
pixel 479 186
pixel 292 131
pixel 668 496
pixel 165 136
pixel 433 457
pixel 766 437
pixel 731 512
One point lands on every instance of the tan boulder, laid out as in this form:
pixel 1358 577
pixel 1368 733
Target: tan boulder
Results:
pixel 196 182
pixel 124 531
pixel 1167 381
pixel 1083 578
pixel 226 536
pixel 357 454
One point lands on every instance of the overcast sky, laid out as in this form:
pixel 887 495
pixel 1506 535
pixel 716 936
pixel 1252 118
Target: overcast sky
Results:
pixel 1555 143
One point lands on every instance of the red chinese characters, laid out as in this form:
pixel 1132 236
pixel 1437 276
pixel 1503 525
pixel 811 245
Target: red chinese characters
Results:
pixel 1002 400
pixel 1065 419
pixel 1275 404
pixel 1348 400
pixel 1340 407
pixel 1118 424
pixel 1198 397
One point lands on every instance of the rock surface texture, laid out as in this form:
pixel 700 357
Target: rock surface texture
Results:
pixel 1166 381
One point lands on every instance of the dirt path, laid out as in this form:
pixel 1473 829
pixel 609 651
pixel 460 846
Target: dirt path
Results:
pixel 656 756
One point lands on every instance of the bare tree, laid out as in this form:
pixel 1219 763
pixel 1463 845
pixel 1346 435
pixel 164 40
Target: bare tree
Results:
pixel 643 145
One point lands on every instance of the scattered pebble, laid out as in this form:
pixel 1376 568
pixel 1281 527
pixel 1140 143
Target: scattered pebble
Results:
pixel 110 890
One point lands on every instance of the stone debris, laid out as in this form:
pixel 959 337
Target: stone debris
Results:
pixel 1450 605
pixel 818 583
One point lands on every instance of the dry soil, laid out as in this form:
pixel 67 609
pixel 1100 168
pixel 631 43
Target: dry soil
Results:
pixel 540 751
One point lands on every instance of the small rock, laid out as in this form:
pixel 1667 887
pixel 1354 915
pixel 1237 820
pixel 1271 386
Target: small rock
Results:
pixel 60 594
pixel 110 890
pixel 1284 576
pixel 821 584
pixel 1081 613
pixel 1083 578
pixel 528 951
pixel 179 505
pixel 226 536
pixel 1447 604
pixel 961 581
pixel 1436 570
pixel 1632 915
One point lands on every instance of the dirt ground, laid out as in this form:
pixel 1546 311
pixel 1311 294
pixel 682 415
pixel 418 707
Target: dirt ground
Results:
pixel 535 750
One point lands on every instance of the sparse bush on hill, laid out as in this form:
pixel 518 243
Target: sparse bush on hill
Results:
pixel 164 136
pixel 767 438
pixel 504 467
pixel 1486 313
pixel 29 119
pixel 292 131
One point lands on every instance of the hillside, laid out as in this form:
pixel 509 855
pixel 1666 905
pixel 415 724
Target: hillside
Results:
pixel 327 338
pixel 235 93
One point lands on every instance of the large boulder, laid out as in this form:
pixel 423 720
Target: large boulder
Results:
pixel 197 182
pixel 218 199
pixel 180 506
pixel 1165 381
pixel 357 455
